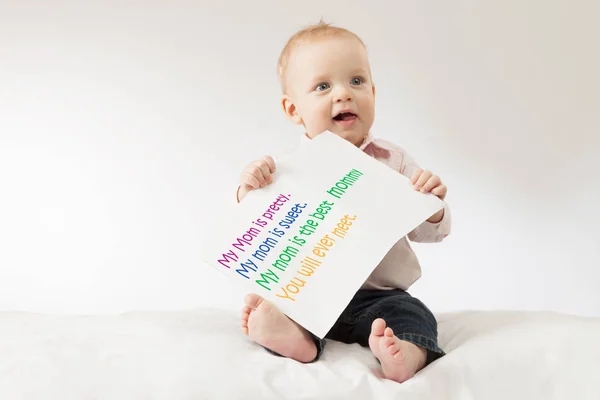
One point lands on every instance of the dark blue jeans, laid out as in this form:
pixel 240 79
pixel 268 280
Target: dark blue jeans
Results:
pixel 408 317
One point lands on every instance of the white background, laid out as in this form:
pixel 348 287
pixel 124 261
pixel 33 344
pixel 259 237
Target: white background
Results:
pixel 117 118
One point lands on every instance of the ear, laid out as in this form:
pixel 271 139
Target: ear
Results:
pixel 290 110
pixel 373 87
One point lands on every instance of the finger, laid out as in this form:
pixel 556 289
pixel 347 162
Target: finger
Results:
pixel 265 171
pixel 440 191
pixel 422 179
pixel 416 176
pixel 268 170
pixel 271 163
pixel 431 183
pixel 257 171
pixel 250 180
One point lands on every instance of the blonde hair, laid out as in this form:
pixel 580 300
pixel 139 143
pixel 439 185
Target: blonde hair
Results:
pixel 316 31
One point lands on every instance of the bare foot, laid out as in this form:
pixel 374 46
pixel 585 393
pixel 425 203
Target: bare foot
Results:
pixel 400 360
pixel 266 325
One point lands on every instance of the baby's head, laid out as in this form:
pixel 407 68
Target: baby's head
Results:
pixel 326 82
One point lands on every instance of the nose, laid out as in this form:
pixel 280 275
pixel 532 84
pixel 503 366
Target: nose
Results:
pixel 342 94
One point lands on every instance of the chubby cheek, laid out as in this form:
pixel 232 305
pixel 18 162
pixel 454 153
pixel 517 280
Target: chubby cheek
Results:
pixel 318 119
pixel 369 117
pixel 367 111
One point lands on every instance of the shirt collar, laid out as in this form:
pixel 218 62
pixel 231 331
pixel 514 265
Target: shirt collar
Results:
pixel 368 140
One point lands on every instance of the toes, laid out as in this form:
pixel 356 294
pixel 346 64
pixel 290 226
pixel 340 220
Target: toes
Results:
pixel 245 325
pixel 253 300
pixel 246 310
pixel 393 349
pixel 388 342
pixel 389 332
pixel 378 327
pixel 245 317
pixel 245 314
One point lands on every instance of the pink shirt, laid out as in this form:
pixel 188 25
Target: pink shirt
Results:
pixel 400 267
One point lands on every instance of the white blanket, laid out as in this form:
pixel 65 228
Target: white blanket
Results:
pixel 203 355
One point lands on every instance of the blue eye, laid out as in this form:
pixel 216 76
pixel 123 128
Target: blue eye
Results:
pixel 322 86
pixel 356 81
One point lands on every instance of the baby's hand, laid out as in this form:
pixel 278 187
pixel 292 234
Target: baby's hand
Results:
pixel 256 175
pixel 426 182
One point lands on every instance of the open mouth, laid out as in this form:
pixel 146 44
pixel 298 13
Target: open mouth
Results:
pixel 345 116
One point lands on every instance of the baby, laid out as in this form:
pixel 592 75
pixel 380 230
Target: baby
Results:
pixel 327 86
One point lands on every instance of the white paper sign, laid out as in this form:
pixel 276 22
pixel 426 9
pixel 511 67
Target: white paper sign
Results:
pixel 308 241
